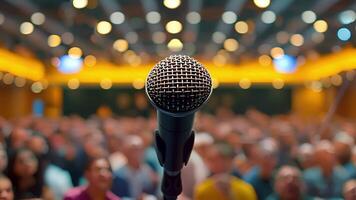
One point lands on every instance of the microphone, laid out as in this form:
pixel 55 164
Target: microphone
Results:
pixel 177 87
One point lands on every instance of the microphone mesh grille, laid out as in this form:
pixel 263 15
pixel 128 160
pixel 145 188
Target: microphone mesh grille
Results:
pixel 178 84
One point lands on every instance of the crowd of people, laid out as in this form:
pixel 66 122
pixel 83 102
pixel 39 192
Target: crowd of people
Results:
pixel 250 156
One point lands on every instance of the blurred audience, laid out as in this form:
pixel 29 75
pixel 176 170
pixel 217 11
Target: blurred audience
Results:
pixel 251 156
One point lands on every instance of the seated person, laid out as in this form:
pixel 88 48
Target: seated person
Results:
pixel 288 185
pixel 135 179
pixel 99 175
pixel 327 178
pixel 260 176
pixel 222 185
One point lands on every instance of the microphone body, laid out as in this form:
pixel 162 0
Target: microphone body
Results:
pixel 177 87
pixel 174 141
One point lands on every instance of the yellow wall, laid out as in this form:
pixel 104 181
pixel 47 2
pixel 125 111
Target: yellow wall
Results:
pixel 16 102
pixel 307 102
pixel 347 106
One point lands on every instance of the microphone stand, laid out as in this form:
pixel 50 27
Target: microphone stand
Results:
pixel 171 186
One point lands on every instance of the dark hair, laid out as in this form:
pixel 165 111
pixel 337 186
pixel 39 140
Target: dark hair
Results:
pixel 35 191
pixel 91 161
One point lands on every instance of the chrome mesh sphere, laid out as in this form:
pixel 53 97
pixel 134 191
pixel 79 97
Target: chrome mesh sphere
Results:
pixel 178 84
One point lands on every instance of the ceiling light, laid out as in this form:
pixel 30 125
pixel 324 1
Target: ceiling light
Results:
pixel 8 79
pixel 308 16
pixel 103 27
pixel 241 27
pixel 90 61
pixel 73 84
pixel 278 84
pixel 229 17
pixel 153 17
pixel 347 16
pixel 175 45
pixel 174 27
pixel 297 40
pixel 277 52
pixel 80 3
pixel 38 18
pixel 53 40
pixel 265 60
pixel 20 82
pixel 231 44
pixel 106 84
pixel 37 87
pixel 193 17
pixel 26 28
pixel 268 17
pixel 262 3
pixel 121 45
pixel 171 4
pixel 117 17
pixel 344 34
pixel 75 52
pixel 245 83
pixel 320 26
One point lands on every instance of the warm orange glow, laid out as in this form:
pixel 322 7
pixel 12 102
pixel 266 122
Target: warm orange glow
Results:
pixel 20 66
pixel 318 69
pixel 256 73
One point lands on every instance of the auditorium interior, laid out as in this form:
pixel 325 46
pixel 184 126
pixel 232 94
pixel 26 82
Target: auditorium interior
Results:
pixel 76 121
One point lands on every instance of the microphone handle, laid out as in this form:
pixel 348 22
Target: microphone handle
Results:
pixel 174 141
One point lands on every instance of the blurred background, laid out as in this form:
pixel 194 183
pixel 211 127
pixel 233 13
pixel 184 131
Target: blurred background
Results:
pixel 72 76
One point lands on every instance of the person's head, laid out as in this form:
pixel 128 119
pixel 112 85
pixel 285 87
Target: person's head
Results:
pixel 349 190
pixel 203 141
pixel 288 183
pixel 343 144
pixel 267 156
pixel 24 163
pixel 134 150
pixel 220 157
pixel 6 191
pixel 38 145
pixel 325 156
pixel 98 173
pixel 306 155
pixel 18 137
pixel 93 144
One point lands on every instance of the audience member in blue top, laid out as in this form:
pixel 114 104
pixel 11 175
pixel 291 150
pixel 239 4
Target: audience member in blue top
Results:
pixel 288 185
pixel 327 178
pixel 260 176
